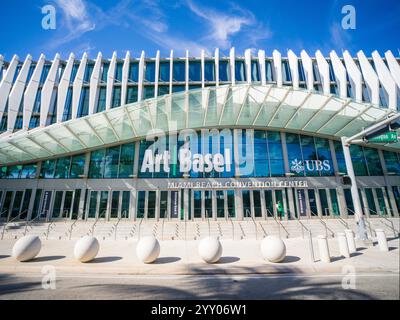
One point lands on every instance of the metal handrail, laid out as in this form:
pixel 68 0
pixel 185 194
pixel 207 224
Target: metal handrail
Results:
pixel 1 214
pixel 342 221
pixel 116 225
pixel 11 221
pixel 95 223
pixel 208 221
pixel 254 222
pixel 310 244
pixel 366 221
pixel 140 225
pixel 74 224
pixel 324 224
pixel 395 232
pixel 48 229
pixel 280 225
pixel 30 222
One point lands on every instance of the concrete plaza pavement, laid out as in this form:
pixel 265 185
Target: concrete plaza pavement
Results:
pixel 179 273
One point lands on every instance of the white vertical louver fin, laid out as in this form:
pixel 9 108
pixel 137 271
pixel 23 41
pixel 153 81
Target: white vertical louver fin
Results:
pixel 394 67
pixel 216 57
pixel 6 84
pixel 370 78
pixel 64 86
pixel 294 68
pixel 277 57
pixel 202 57
pixel 111 80
pixel 141 76
pixel 355 76
pixel 14 100
pixel 48 97
pixel 247 59
pixel 386 80
pixel 187 70
pixel 125 76
pixel 232 60
pixel 32 91
pixel 157 75
pixel 308 70
pixel 1 67
pixel 77 86
pixel 171 70
pixel 323 68
pixel 261 61
pixel 340 74
pixel 94 84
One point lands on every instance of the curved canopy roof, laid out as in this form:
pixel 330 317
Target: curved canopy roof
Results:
pixel 250 106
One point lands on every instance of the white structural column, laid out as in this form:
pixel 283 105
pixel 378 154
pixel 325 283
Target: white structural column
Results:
pixel 94 84
pixel 323 67
pixel 141 76
pixel 157 75
pixel 111 80
pixel 386 80
pixel 63 87
pixel 394 67
pixel 340 74
pixel 125 76
pixel 370 77
pixel 48 97
pixel 350 171
pixel 232 60
pixel 247 61
pixel 308 70
pixel 294 68
pixel 187 71
pixel 6 84
pixel 202 58
pixel 261 61
pixel 216 57
pixel 277 59
pixel 31 92
pixel 355 76
pixel 14 100
pixel 77 86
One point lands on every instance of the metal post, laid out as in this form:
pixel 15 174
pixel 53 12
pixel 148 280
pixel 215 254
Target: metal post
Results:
pixel 358 214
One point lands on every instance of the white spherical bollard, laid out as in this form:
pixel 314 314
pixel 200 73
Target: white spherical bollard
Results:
pixel 26 248
pixel 273 249
pixel 210 250
pixel 148 249
pixel 86 249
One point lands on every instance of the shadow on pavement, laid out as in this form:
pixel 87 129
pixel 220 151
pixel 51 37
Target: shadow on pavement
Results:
pixel 226 260
pixel 165 260
pixel 105 259
pixel 47 258
pixel 291 259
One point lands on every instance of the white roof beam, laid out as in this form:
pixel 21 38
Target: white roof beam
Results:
pixel 17 92
pixel 394 67
pixel 294 68
pixel 277 69
pixel 31 92
pixel 63 87
pixel 48 97
pixel 370 77
pixel 6 84
pixel 340 74
pixel 261 61
pixel 323 68
pixel 141 76
pixel 386 80
pixel 308 70
pixel 77 86
pixel 355 76
pixel 94 84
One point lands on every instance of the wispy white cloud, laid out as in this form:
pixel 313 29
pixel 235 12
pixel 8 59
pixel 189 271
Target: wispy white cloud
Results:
pixel 222 26
pixel 77 20
pixel 340 38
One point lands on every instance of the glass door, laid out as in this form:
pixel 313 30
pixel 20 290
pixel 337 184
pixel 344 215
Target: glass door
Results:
pixel 67 207
pixel 114 204
pixel 103 204
pixel 93 204
pixel 5 210
pixel 230 195
pixel 57 206
pixel 323 198
pixel 151 205
pixel 246 204
pixel 370 201
pixel 335 203
pixel 197 200
pixel 312 203
pixel 208 207
pixel 381 202
pixel 269 203
pixel 257 204
pixel 17 204
pixel 220 204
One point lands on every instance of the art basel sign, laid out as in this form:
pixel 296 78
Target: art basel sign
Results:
pixel 188 162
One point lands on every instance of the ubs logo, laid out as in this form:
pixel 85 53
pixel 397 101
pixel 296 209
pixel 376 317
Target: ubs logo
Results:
pixel 310 165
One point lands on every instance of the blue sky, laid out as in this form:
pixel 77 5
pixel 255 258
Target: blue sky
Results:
pixel 151 25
